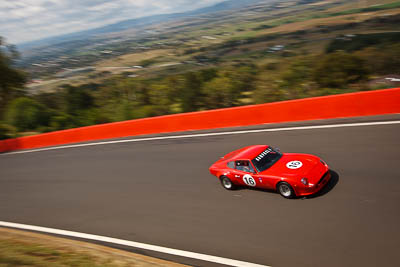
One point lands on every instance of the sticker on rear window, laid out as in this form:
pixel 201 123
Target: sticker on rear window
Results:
pixel 263 154
pixel 295 164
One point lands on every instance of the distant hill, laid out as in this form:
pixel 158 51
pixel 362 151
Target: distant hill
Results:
pixel 132 23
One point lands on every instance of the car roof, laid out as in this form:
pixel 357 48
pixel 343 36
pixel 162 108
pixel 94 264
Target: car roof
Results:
pixel 249 152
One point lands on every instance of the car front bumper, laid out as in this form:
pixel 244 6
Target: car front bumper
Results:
pixel 312 189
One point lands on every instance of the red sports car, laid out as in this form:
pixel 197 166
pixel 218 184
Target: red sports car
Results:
pixel 262 166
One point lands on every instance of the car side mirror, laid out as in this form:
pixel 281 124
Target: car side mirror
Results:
pixel 277 149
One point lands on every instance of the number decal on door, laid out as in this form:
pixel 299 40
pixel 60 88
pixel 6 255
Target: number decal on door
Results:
pixel 247 179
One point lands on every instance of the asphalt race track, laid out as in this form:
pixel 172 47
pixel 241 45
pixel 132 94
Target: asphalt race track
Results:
pixel 160 192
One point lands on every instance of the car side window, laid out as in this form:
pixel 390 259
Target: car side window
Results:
pixel 244 165
pixel 231 164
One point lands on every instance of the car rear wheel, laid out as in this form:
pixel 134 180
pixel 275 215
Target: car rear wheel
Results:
pixel 286 190
pixel 227 183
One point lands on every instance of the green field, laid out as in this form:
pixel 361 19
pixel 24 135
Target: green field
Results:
pixel 18 248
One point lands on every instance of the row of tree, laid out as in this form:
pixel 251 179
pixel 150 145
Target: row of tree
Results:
pixel 122 98
pixel 11 82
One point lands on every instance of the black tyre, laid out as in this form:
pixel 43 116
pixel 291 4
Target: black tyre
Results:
pixel 227 183
pixel 285 190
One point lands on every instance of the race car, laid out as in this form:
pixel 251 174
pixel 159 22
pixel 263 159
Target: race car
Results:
pixel 262 166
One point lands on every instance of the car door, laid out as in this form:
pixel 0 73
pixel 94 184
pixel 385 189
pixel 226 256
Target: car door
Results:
pixel 244 174
pixel 230 171
pixel 265 181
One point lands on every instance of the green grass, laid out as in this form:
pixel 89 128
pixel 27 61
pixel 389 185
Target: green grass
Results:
pixel 367 9
pixel 361 41
pixel 16 253
pixel 294 19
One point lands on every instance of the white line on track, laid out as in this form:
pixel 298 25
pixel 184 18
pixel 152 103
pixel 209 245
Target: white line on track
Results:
pixel 176 252
pixel 209 134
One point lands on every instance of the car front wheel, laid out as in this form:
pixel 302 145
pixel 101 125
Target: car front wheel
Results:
pixel 227 183
pixel 286 190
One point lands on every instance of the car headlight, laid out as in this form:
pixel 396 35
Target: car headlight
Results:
pixel 304 181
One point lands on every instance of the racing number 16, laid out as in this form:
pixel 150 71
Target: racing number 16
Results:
pixel 247 179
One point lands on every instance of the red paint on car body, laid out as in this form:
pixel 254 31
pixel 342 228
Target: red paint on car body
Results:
pixel 290 168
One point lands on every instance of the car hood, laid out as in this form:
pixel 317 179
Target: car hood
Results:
pixel 297 166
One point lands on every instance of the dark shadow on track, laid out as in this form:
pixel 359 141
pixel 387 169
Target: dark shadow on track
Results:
pixel 327 188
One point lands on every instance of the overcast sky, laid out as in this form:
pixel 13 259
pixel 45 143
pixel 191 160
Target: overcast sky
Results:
pixel 27 20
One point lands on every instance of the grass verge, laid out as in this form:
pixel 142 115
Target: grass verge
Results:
pixel 19 248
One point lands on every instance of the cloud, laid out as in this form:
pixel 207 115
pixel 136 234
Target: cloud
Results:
pixel 27 20
pixel 103 7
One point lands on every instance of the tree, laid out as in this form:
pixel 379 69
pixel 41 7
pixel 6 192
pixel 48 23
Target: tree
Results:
pixel 208 74
pixel 161 99
pixel 268 90
pixel 220 92
pixel 11 79
pixel 296 79
pixel 7 131
pixel 340 69
pixel 76 100
pixel 382 60
pixel 61 121
pixel 26 114
pixel 242 78
pixel 52 100
pixel 191 92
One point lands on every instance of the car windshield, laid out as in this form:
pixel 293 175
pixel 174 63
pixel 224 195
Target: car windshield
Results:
pixel 266 159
